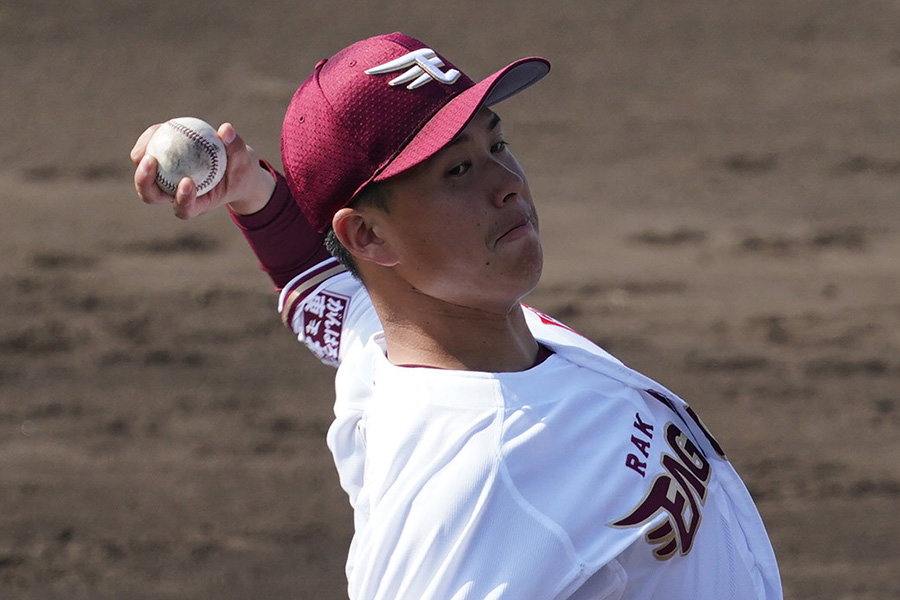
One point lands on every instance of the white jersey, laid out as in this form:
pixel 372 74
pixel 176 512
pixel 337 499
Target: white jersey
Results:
pixel 576 479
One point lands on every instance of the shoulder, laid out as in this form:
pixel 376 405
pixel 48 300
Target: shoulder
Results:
pixel 329 310
pixel 554 332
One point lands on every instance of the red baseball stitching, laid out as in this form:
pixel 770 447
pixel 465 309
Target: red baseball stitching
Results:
pixel 205 144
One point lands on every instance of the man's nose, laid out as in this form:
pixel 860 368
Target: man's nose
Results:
pixel 509 182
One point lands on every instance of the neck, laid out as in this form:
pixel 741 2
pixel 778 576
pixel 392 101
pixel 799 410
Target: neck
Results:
pixel 429 332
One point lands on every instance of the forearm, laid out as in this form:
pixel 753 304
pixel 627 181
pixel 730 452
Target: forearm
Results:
pixel 279 234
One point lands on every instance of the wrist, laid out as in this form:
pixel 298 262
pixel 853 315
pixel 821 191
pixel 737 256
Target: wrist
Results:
pixel 263 187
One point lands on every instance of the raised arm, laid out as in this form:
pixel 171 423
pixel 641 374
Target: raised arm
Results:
pixel 323 305
pixel 280 235
pixel 257 198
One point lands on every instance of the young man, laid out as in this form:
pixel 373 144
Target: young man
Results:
pixel 488 450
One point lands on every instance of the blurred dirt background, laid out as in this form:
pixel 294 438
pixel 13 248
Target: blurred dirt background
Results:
pixel 718 188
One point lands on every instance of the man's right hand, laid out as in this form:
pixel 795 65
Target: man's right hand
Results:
pixel 246 187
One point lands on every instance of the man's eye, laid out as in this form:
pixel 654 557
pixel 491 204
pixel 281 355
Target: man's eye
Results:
pixel 458 170
pixel 499 147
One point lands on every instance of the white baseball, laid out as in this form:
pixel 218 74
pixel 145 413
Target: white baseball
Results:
pixel 187 147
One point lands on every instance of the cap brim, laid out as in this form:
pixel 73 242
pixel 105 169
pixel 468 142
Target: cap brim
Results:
pixel 454 116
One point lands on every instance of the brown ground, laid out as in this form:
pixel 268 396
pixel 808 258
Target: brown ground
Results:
pixel 718 184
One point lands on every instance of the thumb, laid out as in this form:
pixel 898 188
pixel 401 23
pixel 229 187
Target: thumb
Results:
pixel 233 142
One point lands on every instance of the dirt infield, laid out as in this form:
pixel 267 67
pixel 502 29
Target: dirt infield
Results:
pixel 718 190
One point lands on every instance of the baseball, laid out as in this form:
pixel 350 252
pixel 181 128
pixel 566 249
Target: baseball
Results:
pixel 187 147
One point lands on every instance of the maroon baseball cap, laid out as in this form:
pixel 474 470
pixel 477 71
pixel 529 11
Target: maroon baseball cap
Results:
pixel 376 109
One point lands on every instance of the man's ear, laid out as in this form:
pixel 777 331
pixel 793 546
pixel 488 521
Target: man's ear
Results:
pixel 355 230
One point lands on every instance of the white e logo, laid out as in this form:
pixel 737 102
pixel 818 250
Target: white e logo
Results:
pixel 422 66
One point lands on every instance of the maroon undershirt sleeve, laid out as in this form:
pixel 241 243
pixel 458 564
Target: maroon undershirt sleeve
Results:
pixel 280 236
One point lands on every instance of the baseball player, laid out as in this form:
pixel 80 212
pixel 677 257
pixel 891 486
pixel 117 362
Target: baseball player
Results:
pixel 488 451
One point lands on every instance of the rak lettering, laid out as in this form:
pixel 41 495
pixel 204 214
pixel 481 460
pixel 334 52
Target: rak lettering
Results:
pixel 679 492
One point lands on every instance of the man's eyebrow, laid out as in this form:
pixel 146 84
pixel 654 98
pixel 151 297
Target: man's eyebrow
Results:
pixel 462 137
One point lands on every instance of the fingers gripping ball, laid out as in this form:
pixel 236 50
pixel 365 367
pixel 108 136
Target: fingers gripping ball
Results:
pixel 187 147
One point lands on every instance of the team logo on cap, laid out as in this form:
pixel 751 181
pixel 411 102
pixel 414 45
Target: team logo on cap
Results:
pixel 422 66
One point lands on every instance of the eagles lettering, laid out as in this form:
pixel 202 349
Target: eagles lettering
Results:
pixel 680 492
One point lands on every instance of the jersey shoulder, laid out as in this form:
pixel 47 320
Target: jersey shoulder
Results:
pixel 329 310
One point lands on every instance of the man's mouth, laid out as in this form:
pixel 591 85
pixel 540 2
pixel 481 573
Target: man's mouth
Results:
pixel 521 227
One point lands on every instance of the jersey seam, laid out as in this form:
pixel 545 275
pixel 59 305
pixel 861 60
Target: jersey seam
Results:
pixel 579 564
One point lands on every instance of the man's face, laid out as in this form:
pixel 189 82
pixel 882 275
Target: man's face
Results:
pixel 463 225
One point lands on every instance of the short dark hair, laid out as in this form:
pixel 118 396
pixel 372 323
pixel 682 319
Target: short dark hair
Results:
pixel 373 194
